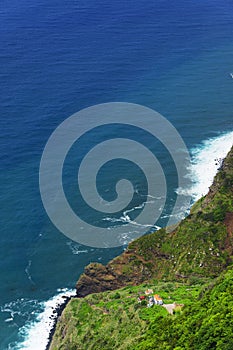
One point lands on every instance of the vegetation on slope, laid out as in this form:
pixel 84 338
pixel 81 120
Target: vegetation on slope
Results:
pixel 115 320
pixel 205 324
pixel 201 246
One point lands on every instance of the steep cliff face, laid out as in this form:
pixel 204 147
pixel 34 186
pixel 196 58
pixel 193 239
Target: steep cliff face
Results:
pixel 202 245
pixel 130 268
pixel 198 250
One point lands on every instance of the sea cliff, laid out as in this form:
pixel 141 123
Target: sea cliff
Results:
pixel 178 263
pixel 200 246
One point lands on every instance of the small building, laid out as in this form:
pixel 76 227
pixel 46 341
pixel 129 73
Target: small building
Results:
pixel 158 300
pixel 151 302
pixel 141 298
pixel 149 291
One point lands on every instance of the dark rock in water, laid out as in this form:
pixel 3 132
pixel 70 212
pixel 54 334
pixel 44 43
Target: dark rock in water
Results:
pixel 55 317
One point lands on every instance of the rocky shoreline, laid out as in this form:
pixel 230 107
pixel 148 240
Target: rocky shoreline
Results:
pixel 55 317
pixel 158 255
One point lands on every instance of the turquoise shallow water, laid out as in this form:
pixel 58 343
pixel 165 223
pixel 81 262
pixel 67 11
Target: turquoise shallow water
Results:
pixel 57 58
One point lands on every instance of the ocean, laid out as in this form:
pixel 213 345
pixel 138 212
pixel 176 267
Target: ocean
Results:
pixel 57 58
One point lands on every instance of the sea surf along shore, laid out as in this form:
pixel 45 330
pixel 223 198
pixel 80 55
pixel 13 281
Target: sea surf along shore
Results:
pixel 58 58
pixel 206 160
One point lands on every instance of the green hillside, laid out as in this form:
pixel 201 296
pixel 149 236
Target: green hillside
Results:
pixel 190 268
pixel 115 319
pixel 201 246
pixel 205 324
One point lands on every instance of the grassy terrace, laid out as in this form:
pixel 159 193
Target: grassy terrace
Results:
pixel 115 320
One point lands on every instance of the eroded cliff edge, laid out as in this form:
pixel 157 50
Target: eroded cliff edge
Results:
pixel 202 245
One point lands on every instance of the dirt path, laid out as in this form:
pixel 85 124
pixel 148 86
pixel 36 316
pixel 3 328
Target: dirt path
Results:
pixel 169 307
pixel 229 223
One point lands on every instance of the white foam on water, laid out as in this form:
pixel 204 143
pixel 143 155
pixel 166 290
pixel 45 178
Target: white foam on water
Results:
pixel 206 160
pixel 36 334
pixel 125 218
pixel 75 248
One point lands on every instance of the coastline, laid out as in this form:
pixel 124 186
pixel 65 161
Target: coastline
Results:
pixel 201 154
pixel 206 159
pixel 57 313
pixel 59 59
pixel 218 187
pixel 38 335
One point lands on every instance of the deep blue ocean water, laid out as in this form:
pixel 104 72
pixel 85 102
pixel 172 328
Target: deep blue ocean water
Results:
pixel 59 57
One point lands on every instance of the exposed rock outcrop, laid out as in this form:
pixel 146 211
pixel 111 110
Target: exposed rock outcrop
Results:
pixel 202 245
